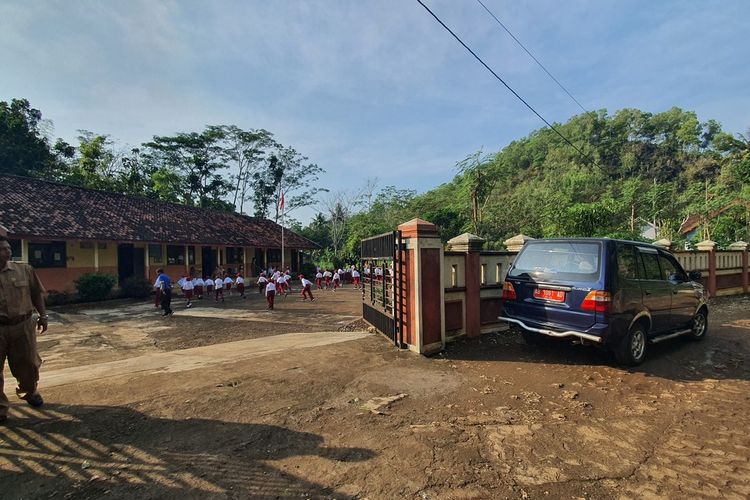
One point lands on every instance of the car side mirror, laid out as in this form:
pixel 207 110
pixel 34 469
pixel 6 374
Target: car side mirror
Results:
pixel 694 275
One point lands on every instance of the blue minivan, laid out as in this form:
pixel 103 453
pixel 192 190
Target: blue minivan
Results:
pixel 621 295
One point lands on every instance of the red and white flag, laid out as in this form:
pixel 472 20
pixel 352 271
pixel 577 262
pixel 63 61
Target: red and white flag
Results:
pixel 281 202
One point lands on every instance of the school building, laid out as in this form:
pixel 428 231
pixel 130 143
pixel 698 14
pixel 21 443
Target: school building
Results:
pixel 66 231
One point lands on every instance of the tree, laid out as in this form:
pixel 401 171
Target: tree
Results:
pixel 24 150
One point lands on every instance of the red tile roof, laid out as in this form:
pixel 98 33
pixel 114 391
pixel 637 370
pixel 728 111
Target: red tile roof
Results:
pixel 49 210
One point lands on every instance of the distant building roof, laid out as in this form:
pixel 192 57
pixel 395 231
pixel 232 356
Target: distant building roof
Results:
pixel 692 221
pixel 49 210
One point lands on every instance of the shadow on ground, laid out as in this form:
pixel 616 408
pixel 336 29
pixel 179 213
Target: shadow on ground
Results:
pixel 722 355
pixel 88 451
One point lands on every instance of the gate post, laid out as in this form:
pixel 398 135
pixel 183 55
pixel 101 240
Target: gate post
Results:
pixel 424 312
pixel 710 247
pixel 471 245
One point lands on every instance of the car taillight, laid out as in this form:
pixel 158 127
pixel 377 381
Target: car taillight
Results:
pixel 509 293
pixel 597 301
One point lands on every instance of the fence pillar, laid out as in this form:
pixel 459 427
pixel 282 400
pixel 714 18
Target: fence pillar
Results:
pixel 424 318
pixel 710 247
pixel 515 244
pixel 472 246
pixel 664 243
pixel 743 246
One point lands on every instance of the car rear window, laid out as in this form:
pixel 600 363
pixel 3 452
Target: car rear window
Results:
pixel 558 260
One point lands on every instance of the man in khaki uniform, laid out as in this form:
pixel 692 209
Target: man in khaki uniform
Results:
pixel 20 293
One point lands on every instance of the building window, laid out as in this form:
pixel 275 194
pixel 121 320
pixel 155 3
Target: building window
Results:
pixel 15 249
pixel 87 245
pixel 47 254
pixel 175 255
pixel 274 255
pixel 154 253
pixel 102 246
pixel 234 255
pixel 191 255
pixel 483 277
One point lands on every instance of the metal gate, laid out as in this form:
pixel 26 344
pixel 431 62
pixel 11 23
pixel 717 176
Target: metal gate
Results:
pixel 382 289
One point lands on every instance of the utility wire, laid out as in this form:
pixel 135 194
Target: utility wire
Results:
pixel 532 56
pixel 501 80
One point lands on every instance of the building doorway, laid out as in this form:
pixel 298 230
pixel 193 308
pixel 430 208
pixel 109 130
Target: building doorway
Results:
pixel 208 261
pixel 131 262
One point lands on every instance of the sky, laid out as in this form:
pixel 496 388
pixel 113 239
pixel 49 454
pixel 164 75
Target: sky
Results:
pixel 368 89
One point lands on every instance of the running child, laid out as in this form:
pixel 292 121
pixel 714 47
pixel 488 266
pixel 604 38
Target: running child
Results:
pixel 218 289
pixel 336 280
pixel 187 291
pixel 270 294
pixel 319 279
pixel 228 284
pixel 198 285
pixel 327 275
pixel 355 278
pixel 262 282
pixel 240 285
pixel 209 283
pixel 306 288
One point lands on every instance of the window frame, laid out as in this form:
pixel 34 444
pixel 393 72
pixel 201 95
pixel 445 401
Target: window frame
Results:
pixel 48 250
pixel 175 255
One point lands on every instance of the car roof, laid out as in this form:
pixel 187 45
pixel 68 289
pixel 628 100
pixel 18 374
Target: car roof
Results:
pixel 602 240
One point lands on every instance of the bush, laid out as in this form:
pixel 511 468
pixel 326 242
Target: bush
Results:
pixel 308 270
pixel 94 287
pixel 136 287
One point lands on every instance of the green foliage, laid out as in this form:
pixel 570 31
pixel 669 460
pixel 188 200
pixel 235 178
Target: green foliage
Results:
pixel 136 287
pixel 94 287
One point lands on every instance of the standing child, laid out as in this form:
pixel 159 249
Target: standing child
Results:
pixel 281 286
pixel 228 284
pixel 355 278
pixel 262 282
pixel 327 275
pixel 270 294
pixel 187 291
pixel 319 279
pixel 240 285
pixel 306 288
pixel 218 288
pixel 336 280
pixel 198 285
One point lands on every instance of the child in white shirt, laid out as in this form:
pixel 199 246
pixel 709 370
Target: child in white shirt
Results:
pixel 219 289
pixel 228 285
pixel 306 288
pixel 262 281
pixel 336 280
pixel 198 285
pixel 241 285
pixel 270 294
pixel 319 280
pixel 187 291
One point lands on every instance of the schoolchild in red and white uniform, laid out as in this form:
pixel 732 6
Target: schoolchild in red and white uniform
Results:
pixel 336 280
pixel 262 282
pixel 327 275
pixel 218 289
pixel 288 280
pixel 281 285
pixel 198 285
pixel 319 280
pixel 270 293
pixel 187 291
pixel 306 288
pixel 378 273
pixel 228 282
pixel 209 285
pixel 240 281
pixel 355 278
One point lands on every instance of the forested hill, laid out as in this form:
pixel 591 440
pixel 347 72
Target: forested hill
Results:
pixel 636 170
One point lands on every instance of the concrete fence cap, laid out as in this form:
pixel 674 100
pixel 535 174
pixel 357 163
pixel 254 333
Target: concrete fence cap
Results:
pixel 706 245
pixel 663 243
pixel 466 242
pixel 739 245
pixel 515 243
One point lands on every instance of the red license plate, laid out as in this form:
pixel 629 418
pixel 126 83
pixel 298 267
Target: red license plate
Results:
pixel 551 295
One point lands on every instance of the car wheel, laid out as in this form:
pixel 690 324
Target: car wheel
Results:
pixel 700 325
pixel 632 348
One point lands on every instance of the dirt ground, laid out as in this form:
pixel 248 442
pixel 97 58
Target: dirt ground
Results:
pixel 488 418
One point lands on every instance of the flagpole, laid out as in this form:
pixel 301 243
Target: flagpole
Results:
pixel 282 232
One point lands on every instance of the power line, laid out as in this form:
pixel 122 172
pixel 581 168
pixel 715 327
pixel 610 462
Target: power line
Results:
pixel 532 56
pixel 500 79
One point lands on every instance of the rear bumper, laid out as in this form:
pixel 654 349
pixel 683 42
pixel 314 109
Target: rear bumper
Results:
pixel 553 333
